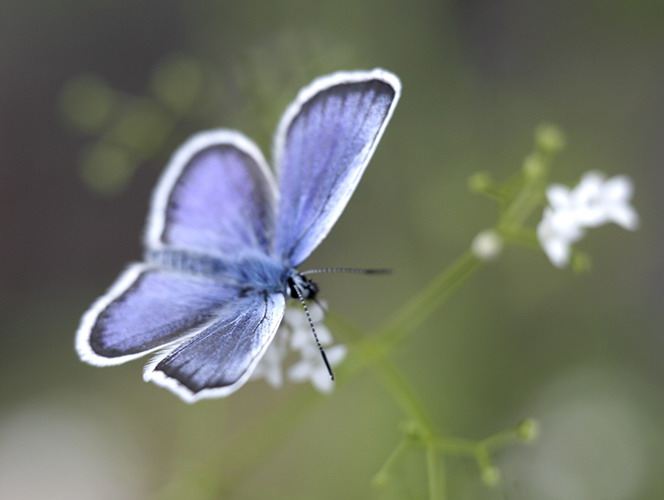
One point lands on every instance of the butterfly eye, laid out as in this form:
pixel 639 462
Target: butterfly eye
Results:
pixel 307 289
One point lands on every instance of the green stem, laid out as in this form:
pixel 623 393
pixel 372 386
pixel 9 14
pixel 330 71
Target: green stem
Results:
pixel 382 475
pixel 399 389
pixel 529 197
pixel 420 307
pixel 523 237
pixel 436 490
pixel 457 446
pixel 500 439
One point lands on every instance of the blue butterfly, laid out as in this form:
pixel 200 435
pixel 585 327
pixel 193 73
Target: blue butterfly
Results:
pixel 224 239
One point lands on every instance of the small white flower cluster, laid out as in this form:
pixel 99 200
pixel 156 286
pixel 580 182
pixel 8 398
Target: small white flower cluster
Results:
pixel 594 202
pixel 294 335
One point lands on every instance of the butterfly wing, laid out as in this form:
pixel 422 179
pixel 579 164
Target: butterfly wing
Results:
pixel 323 144
pixel 147 308
pixel 216 196
pixel 221 356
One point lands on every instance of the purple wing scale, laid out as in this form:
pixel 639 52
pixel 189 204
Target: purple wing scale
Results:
pixel 216 197
pixel 323 145
pixel 223 354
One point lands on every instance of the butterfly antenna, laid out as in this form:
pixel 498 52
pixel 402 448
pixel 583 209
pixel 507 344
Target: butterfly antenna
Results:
pixel 313 330
pixel 348 270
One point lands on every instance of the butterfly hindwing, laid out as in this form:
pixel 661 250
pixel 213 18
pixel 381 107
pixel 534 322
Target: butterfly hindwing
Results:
pixel 323 144
pixel 220 357
pixel 147 308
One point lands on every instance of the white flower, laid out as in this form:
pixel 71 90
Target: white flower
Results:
pixel 614 201
pixel 556 232
pixel 295 336
pixel 269 367
pixel 311 365
pixel 595 201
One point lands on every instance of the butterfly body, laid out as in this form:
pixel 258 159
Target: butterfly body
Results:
pixel 253 271
pixel 225 236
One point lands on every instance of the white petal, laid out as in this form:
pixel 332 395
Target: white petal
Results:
pixel 274 378
pixel 300 371
pixel 324 334
pixel 558 252
pixel 565 224
pixel 321 380
pixel 545 229
pixel 558 195
pixel 291 315
pixel 589 187
pixel 618 188
pixel 624 215
pixel 318 312
pixel 555 246
pixel 270 365
pixel 336 354
pixel 302 338
pixel 590 214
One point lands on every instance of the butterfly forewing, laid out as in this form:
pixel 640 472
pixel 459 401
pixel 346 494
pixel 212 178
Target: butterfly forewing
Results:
pixel 217 197
pixel 323 145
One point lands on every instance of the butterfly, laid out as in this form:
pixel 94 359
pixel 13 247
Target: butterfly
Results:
pixel 224 238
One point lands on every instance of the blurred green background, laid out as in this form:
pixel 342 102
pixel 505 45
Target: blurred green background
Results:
pixel 95 95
